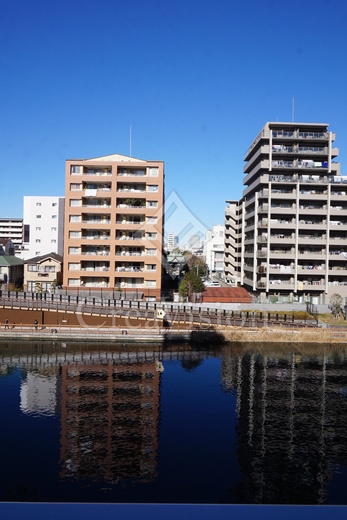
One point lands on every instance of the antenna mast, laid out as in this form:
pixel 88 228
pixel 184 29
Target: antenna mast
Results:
pixel 293 111
pixel 130 140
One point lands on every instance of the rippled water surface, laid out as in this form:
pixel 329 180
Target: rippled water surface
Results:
pixel 173 425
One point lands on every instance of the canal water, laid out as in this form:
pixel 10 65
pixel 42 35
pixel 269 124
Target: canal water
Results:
pixel 173 424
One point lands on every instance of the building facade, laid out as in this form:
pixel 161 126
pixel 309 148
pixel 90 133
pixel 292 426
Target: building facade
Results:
pixel 12 229
pixel 114 225
pixel 43 225
pixel 41 272
pixel 291 224
pixel 214 249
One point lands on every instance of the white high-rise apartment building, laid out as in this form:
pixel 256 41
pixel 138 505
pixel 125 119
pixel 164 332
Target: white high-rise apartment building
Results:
pixel 43 224
pixel 287 237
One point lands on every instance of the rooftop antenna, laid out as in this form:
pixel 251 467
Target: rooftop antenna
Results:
pixel 293 111
pixel 130 140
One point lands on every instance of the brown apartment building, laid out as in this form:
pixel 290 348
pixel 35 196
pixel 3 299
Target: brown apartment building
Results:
pixel 114 225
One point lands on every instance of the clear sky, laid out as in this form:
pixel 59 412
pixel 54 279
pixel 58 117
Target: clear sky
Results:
pixel 195 79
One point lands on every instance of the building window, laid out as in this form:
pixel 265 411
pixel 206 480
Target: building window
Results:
pixel 75 202
pixel 150 283
pixel 153 172
pixel 75 187
pixel 152 204
pixel 38 203
pixel 151 252
pixel 38 216
pixel 54 203
pixel 151 220
pixel 153 187
pixel 75 218
pixel 49 269
pixel 74 234
pixel 151 267
pixel 73 281
pixel 38 229
pixel 53 229
pixel 53 241
pixel 54 216
pixel 75 170
pixel 74 250
pixel 73 266
pixel 32 268
pixel 38 241
pixel 151 236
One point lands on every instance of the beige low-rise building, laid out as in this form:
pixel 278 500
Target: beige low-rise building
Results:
pixel 42 273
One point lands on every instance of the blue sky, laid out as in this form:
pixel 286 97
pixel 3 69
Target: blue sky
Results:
pixel 195 79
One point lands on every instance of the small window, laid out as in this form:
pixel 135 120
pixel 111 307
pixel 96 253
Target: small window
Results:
pixel 53 241
pixel 76 169
pixel 54 216
pixel 38 229
pixel 38 203
pixel 38 216
pixel 38 241
pixel 54 203
pixel 53 229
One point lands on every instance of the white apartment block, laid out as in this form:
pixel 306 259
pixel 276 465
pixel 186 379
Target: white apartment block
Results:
pixel 287 237
pixel 43 224
pixel 214 249
pixel 12 229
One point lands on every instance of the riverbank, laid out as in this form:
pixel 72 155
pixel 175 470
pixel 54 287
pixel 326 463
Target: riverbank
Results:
pixel 215 335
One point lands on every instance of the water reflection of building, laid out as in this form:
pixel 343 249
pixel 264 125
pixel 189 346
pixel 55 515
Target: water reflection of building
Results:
pixel 110 412
pixel 38 394
pixel 291 430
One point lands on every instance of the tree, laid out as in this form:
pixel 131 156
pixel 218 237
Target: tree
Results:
pixel 196 263
pixel 191 283
pixel 335 306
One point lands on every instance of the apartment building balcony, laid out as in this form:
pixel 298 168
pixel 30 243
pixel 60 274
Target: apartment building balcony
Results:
pixel 131 204
pixel 281 285
pixel 336 209
pixel 96 219
pixel 95 281
pixel 95 250
pixel 298 134
pixel 95 266
pixel 336 270
pixel 313 255
pixel 131 283
pixel 129 252
pixel 280 209
pixel 311 268
pixel 258 167
pixel 312 225
pixel 280 238
pixel 284 149
pixel 96 204
pixel 132 188
pixel 279 253
pixel 134 221
pixel 283 194
pixel 131 172
pixel 133 236
pixel 129 267
pixel 338 252
pixel 96 172
pixel 312 239
pixel 92 189
pixel 97 235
